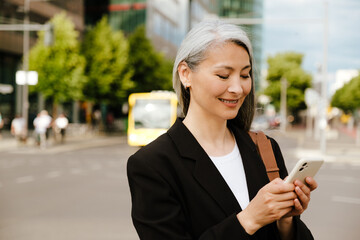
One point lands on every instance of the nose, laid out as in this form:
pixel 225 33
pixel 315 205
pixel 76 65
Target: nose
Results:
pixel 236 86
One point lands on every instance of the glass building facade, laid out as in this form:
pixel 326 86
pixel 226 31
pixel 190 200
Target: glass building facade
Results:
pixel 11 46
pixel 123 15
pixel 247 9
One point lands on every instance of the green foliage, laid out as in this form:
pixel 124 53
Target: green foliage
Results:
pixel 347 98
pixel 287 65
pixel 151 70
pixel 60 66
pixel 107 71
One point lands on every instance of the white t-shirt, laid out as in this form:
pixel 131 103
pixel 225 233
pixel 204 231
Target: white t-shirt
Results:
pixel 61 122
pixel 41 123
pixel 18 125
pixel 232 170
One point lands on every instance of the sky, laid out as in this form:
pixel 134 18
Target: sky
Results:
pixel 343 32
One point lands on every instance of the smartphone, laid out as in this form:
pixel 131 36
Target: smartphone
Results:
pixel 305 167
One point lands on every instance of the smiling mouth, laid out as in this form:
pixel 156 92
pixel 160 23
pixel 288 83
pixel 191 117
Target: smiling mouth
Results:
pixel 228 101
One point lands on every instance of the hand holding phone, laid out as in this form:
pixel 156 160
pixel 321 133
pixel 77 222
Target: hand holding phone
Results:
pixel 305 167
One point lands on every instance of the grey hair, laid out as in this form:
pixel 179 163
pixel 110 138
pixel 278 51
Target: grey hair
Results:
pixel 193 49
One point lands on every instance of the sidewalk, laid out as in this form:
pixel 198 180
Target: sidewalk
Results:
pixel 88 140
pixel 342 148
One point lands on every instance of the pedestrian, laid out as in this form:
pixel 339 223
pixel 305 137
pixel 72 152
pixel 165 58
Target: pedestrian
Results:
pixel 96 119
pixel 203 178
pixel 42 123
pixel 18 129
pixel 61 124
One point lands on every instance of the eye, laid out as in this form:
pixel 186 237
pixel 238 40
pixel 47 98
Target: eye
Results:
pixel 222 76
pixel 245 76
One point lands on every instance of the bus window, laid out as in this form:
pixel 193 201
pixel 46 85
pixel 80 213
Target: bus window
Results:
pixel 150 115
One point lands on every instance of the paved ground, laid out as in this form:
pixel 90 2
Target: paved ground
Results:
pixel 79 190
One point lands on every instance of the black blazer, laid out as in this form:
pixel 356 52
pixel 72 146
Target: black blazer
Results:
pixel 178 193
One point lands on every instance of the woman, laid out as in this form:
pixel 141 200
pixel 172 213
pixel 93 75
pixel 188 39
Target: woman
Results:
pixel 204 179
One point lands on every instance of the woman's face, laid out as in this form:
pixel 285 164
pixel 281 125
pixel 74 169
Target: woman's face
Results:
pixel 219 84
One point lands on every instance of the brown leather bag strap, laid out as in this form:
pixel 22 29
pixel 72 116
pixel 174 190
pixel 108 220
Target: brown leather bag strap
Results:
pixel 265 150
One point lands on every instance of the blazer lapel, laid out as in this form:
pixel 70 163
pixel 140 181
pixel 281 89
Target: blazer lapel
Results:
pixel 254 167
pixel 205 172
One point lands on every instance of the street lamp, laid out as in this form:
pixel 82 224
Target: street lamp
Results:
pixel 26 42
pixel 324 101
pixel 26 28
pixel 29 77
pixel 283 105
pixel 189 16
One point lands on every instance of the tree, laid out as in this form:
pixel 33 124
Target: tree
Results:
pixel 347 98
pixel 59 66
pixel 107 71
pixel 287 65
pixel 151 70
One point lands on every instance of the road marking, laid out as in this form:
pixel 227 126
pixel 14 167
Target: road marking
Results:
pixel 338 166
pixel 303 153
pixel 345 179
pixel 25 179
pixel 345 199
pixel 53 174
pixel 355 163
pixel 8 164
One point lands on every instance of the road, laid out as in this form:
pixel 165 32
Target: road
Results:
pixel 70 192
pixel 80 191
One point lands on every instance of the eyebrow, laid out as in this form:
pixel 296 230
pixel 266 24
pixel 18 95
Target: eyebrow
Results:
pixel 231 68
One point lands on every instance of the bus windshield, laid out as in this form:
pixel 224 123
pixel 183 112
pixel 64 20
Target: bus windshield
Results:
pixel 152 113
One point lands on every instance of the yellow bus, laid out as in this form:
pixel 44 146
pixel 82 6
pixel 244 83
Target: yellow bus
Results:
pixel 150 115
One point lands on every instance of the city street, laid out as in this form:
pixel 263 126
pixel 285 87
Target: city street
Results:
pixel 79 190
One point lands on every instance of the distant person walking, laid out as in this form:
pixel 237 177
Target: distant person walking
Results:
pixel 18 129
pixel 41 123
pixel 96 119
pixel 61 124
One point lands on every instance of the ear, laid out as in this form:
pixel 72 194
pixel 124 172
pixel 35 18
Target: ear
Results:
pixel 184 74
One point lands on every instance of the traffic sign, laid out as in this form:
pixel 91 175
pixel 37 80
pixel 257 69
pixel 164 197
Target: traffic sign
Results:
pixel 312 97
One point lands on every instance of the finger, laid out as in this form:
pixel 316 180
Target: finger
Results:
pixel 277 187
pixel 286 196
pixel 302 197
pixel 298 207
pixel 303 187
pixel 296 210
pixel 289 204
pixel 277 181
pixel 286 212
pixel 311 183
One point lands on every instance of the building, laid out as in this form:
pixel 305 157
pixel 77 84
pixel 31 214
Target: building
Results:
pixel 166 24
pixel 123 15
pixel 247 9
pixel 11 44
pixel 166 21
